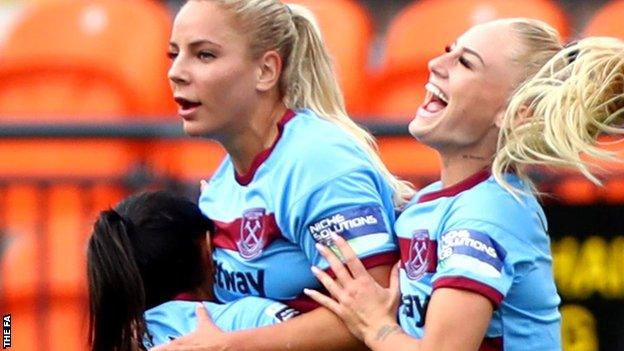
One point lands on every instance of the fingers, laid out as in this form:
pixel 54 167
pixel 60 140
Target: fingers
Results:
pixel 324 300
pixel 356 267
pixel 342 275
pixel 203 319
pixel 204 322
pixel 334 289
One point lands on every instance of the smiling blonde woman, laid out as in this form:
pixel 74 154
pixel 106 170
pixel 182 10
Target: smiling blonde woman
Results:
pixel 476 268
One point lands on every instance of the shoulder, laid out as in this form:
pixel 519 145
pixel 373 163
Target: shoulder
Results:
pixel 170 309
pixel 315 153
pixel 310 142
pixel 490 207
pixel 490 201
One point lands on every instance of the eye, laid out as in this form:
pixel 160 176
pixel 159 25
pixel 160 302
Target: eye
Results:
pixel 205 55
pixel 448 48
pixel 465 62
pixel 172 55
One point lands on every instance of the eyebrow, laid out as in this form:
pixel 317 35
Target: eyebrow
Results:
pixel 198 42
pixel 474 53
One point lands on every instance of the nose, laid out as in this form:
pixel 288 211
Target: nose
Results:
pixel 436 66
pixel 177 74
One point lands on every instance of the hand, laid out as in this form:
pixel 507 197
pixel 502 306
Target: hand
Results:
pixel 366 307
pixel 207 336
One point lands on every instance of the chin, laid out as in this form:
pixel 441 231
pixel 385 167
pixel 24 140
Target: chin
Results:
pixel 420 126
pixel 413 128
pixel 194 130
pixel 426 133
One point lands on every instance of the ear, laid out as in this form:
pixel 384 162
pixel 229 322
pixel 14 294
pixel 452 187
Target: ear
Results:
pixel 498 119
pixel 524 113
pixel 270 70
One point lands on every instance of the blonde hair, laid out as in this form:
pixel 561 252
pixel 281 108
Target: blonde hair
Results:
pixel 539 43
pixel 308 79
pixel 556 116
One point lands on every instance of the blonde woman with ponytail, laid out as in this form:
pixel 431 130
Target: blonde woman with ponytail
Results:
pixel 255 76
pixel 476 267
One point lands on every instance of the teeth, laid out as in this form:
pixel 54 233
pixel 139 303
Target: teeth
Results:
pixel 437 92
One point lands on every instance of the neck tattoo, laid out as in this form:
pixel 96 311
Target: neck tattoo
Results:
pixel 473 157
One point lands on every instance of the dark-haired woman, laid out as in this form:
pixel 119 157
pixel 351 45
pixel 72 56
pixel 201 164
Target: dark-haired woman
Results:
pixel 148 260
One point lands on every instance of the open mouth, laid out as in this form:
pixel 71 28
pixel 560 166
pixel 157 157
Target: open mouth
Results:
pixel 435 101
pixel 186 106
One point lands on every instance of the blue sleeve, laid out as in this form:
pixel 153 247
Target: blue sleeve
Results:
pixel 173 319
pixel 169 321
pixel 357 205
pixel 254 312
pixel 477 256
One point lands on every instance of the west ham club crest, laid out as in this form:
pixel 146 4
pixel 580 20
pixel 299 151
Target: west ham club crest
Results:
pixel 417 262
pixel 251 240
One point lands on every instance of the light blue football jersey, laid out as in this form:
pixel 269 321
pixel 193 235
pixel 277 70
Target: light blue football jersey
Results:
pixel 312 182
pixel 476 236
pixel 173 319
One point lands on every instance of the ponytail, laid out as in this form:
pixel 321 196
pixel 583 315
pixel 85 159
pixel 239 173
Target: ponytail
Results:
pixel 556 116
pixel 308 79
pixel 116 292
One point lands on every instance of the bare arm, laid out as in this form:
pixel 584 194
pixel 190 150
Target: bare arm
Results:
pixel 364 307
pixel 316 330
pixel 465 313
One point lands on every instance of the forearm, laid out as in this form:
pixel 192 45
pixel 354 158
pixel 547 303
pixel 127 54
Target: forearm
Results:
pixel 317 330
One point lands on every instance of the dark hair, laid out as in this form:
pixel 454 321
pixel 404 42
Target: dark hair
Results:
pixel 141 254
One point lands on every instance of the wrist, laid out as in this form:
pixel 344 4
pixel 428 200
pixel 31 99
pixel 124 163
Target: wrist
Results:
pixel 379 333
